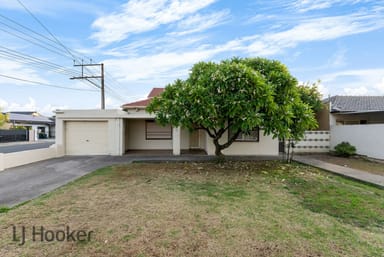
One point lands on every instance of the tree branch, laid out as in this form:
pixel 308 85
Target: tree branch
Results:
pixel 231 139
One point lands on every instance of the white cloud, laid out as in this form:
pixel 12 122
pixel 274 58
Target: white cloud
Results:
pixel 311 5
pixel 380 85
pixel 14 69
pixel 163 62
pixel 41 6
pixel 338 59
pixel 307 5
pixel 198 22
pixel 260 18
pixel 139 16
pixel 357 91
pixel 356 82
pixel 154 45
pixel 324 91
pixel 30 105
pixel 318 29
pixel 158 66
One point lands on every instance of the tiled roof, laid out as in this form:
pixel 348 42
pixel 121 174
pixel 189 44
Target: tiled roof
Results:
pixel 356 103
pixel 155 92
pixel 28 118
pixel 143 103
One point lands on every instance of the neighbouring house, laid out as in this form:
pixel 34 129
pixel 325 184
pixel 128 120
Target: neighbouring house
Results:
pixel 42 127
pixel 131 129
pixel 358 120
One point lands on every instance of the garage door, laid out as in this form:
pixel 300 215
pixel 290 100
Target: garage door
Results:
pixel 86 137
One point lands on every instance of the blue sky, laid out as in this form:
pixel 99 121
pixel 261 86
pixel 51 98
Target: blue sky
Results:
pixel 146 44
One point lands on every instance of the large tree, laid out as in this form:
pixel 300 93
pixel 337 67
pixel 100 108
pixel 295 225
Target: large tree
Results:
pixel 237 95
pixel 310 94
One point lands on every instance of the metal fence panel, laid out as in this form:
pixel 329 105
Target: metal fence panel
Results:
pixel 13 135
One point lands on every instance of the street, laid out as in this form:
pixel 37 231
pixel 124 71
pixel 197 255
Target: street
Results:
pixel 6 148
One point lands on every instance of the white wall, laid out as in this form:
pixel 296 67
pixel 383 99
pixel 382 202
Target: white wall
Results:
pixel 115 127
pixel 368 139
pixel 135 137
pixel 266 146
pixel 10 160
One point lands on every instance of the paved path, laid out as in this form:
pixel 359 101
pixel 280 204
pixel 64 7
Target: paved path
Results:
pixel 344 171
pixel 26 182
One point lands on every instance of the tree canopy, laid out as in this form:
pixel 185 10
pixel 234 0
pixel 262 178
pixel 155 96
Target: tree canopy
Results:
pixel 238 95
pixel 309 94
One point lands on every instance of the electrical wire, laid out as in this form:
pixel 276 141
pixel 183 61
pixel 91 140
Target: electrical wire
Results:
pixel 62 50
pixel 45 84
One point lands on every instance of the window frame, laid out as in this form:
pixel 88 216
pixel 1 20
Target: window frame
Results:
pixel 242 139
pixel 157 138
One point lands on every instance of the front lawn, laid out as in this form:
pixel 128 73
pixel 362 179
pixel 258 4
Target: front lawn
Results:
pixel 204 209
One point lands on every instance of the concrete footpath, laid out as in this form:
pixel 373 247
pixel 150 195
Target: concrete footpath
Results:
pixel 340 170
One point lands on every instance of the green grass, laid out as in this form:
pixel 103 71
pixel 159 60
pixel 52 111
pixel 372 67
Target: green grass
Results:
pixel 207 209
pixel 4 209
pixel 351 202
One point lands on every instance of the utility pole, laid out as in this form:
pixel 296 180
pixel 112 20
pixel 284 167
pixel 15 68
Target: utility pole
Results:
pixel 101 77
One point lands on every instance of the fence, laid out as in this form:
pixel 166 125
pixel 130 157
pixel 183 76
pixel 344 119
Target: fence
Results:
pixel 13 135
pixel 368 139
pixel 314 142
pixel 10 160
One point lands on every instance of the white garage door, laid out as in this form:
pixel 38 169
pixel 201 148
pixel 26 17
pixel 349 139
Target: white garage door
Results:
pixel 86 137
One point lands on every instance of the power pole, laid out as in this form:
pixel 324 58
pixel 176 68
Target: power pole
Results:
pixel 101 77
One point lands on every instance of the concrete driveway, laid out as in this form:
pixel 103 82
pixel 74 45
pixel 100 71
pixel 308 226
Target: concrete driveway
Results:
pixel 29 181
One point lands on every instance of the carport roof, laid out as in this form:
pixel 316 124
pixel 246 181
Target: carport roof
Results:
pixel 348 104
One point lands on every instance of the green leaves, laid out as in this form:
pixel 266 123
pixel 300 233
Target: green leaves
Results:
pixel 3 118
pixel 237 93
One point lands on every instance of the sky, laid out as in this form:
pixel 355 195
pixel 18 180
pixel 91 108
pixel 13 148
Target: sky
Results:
pixel 150 43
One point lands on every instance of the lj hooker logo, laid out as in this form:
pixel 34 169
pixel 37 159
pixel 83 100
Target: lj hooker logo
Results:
pixel 41 234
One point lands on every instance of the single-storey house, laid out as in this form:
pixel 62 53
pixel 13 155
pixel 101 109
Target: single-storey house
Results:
pixel 121 131
pixel 358 120
pixel 42 126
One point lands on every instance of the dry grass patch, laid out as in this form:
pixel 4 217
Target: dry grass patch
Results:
pixel 201 209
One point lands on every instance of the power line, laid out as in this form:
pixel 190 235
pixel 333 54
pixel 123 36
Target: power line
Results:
pixel 36 40
pixel 44 84
pixel 46 29
pixel 36 62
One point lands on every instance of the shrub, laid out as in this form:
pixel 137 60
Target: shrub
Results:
pixel 345 149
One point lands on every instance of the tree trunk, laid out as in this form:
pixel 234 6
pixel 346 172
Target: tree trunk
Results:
pixel 218 147
pixel 216 135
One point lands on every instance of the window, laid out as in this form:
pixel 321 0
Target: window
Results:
pixel 154 131
pixel 252 136
pixel 363 122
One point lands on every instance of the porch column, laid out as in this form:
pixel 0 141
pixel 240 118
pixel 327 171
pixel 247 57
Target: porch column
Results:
pixel 176 140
